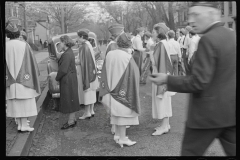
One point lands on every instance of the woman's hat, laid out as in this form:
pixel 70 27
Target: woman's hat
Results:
pixel 124 40
pixel 163 27
pixel 116 29
pixel 147 33
pixel 11 27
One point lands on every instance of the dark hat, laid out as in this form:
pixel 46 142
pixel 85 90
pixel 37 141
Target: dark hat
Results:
pixel 163 27
pixel 11 27
pixel 84 30
pixel 206 4
pixel 124 40
pixel 116 29
pixel 147 33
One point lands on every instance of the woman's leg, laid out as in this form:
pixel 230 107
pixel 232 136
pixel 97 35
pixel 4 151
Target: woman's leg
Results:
pixel 91 109
pixel 71 118
pixel 87 113
pixel 164 128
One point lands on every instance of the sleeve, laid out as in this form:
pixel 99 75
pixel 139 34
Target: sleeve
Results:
pixel 202 71
pixel 64 63
pixel 191 50
pixel 179 51
pixel 139 44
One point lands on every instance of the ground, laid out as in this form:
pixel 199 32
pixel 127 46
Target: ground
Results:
pixel 93 137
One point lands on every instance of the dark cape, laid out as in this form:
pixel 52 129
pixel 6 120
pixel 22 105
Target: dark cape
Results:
pixel 127 90
pixel 87 65
pixel 111 47
pixel 28 74
pixel 67 76
pixel 162 63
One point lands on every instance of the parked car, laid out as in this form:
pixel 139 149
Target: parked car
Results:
pixel 55 54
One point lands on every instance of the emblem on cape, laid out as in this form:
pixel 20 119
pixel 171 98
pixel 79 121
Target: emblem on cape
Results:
pixel 122 93
pixel 103 84
pixel 6 77
pixel 26 76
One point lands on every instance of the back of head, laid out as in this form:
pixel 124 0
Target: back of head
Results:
pixel 124 41
pixel 67 41
pixel 171 34
pixel 140 29
pixel 148 34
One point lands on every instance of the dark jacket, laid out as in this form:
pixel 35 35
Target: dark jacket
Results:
pixel 67 76
pixel 212 82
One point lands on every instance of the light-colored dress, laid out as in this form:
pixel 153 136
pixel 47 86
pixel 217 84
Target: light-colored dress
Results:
pixel 20 99
pixel 161 104
pixel 90 93
pixel 116 63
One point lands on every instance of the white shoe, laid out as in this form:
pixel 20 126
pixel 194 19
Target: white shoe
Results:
pixel 160 126
pixel 127 126
pixel 127 142
pixel 18 121
pixel 25 126
pixel 116 138
pixel 27 129
pixel 160 131
pixel 85 117
pixel 28 121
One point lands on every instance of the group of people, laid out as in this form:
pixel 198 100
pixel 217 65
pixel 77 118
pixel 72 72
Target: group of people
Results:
pixel 210 77
pixel 208 73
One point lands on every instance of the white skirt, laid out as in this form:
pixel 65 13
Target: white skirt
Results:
pixel 21 107
pixel 89 97
pixel 124 120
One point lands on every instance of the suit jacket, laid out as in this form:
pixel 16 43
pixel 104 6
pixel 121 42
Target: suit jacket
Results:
pixel 212 82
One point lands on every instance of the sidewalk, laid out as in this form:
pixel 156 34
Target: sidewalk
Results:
pixel 15 142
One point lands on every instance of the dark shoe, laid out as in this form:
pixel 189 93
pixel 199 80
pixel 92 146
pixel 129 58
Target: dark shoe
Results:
pixel 92 115
pixel 66 125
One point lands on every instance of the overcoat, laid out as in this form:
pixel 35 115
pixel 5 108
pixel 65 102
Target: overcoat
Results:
pixel 67 76
pixel 212 82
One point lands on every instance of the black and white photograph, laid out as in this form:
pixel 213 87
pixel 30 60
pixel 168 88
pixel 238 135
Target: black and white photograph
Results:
pixel 120 79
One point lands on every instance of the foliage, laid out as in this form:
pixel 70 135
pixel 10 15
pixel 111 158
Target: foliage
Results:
pixel 73 13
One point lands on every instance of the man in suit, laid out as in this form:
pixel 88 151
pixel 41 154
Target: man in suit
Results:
pixel 212 84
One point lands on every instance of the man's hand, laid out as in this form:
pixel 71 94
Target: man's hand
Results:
pixel 158 78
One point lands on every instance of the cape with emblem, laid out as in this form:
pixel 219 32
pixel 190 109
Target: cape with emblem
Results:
pixel 28 73
pixel 87 65
pixel 121 84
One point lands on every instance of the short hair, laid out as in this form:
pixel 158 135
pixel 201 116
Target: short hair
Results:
pixel 83 34
pixel 67 40
pixel 12 35
pixel 171 34
pixel 147 34
pixel 161 36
